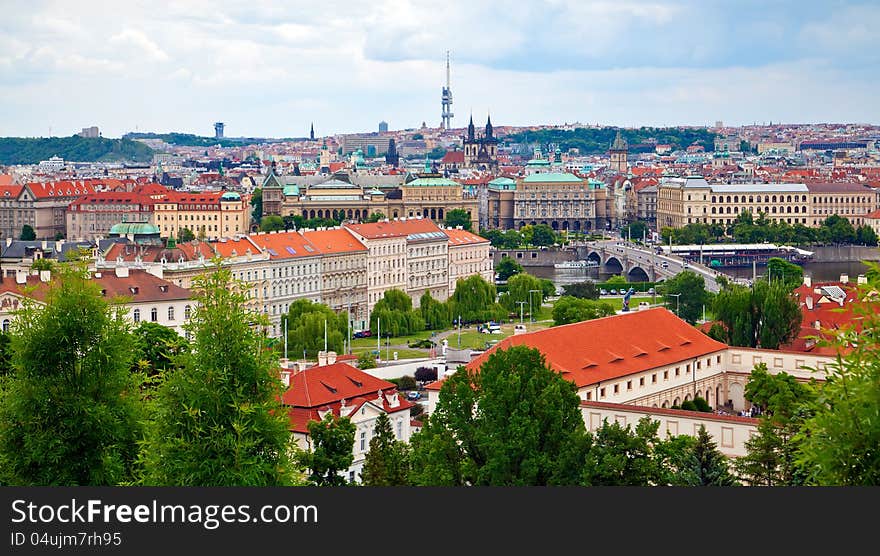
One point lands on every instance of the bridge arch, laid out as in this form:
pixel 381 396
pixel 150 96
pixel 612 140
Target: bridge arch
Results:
pixel 613 264
pixel 594 256
pixel 637 274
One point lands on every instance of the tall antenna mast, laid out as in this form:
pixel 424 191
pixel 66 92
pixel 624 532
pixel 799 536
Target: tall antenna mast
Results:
pixel 446 99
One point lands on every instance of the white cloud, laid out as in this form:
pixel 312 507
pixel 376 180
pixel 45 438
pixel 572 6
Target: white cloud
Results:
pixel 140 40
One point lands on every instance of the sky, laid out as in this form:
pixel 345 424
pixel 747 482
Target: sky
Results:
pixel 268 68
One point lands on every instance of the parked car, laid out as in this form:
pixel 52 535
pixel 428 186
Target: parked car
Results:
pixel 603 291
pixel 362 334
pixel 651 291
pixel 413 395
pixel 613 291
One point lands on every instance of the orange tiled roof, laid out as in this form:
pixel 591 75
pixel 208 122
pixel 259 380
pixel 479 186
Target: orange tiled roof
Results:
pixel 337 240
pixel 285 245
pixel 612 347
pixel 394 228
pixel 463 237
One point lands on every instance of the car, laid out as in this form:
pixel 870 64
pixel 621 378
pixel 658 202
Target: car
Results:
pixel 603 291
pixel 613 291
pixel 664 264
pixel 413 395
pixel 362 334
pixel 651 290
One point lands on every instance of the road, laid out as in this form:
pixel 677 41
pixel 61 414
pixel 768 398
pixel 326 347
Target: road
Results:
pixel 649 258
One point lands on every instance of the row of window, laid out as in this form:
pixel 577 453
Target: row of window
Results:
pixel 154 314
pixel 677 371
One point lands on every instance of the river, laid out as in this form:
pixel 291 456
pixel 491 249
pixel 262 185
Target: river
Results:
pixel 818 271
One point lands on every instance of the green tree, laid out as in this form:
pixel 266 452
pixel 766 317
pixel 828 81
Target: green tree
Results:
pixel 621 456
pixel 616 281
pixel 366 360
pixel 43 264
pixel 581 290
pixel 271 223
pixel 865 235
pixel 458 217
pixel 507 267
pixel 257 204
pixel 515 422
pixel 219 419
pixel 686 293
pixel 387 462
pixel 568 309
pixel 70 415
pixel 306 322
pixel 394 312
pixel 437 315
pixel 838 442
pixel 474 300
pixel 27 233
pixel 375 217
pixel 711 467
pixel 790 274
pixel 523 287
pixel 548 288
pixel 157 348
pixel 6 368
pixel 840 230
pixel 764 315
pixel 333 441
pixel 543 235
pixel 636 230
pixel 184 235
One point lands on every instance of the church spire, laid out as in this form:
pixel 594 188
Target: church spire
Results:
pixel 312 132
pixel 488 127
pixel 471 130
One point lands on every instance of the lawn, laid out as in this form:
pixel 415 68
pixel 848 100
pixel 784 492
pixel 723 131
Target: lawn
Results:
pixel 398 340
pixel 617 302
pixel 404 353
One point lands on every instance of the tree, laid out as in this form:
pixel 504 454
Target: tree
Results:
pixel 616 281
pixel 366 360
pixel 70 415
pixel 507 267
pixel 185 235
pixel 387 462
pixel 690 289
pixel 257 203
pixel 271 223
pixel 581 290
pixel 838 442
pixel 513 422
pixel 548 288
pixel 27 233
pixel 426 374
pixel 866 235
pixel 543 235
pixel 157 348
pixel 219 419
pixel 436 315
pixel 764 315
pixel 474 300
pixel 790 274
pixel 333 441
pixel 43 264
pixel 306 324
pixel 458 217
pixel 568 309
pixel 636 230
pixel 521 287
pixel 621 456
pixel 711 467
pixel 375 217
pixel 6 368
pixel 393 315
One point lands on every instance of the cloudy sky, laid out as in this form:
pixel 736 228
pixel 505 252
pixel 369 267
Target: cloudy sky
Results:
pixel 268 67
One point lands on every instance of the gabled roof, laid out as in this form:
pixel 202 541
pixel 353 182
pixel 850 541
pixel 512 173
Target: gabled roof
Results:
pixel 463 237
pixel 284 245
pixel 140 286
pixel 395 228
pixel 318 386
pixel 613 347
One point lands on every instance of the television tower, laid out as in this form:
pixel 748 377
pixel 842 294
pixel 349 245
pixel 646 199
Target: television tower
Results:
pixel 446 116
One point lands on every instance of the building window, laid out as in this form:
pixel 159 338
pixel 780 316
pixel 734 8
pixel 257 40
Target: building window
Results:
pixel 629 385
pixel 186 312
pixel 589 396
pixel 616 388
pixel 677 371
pixel 654 378
pixel 665 375
pixel 154 314
pixel 601 392
pixel 136 315
pixel 363 441
pixel 642 381
pixel 5 325
pixel 170 313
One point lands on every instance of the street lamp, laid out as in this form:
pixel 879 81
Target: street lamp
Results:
pixel 521 304
pixel 531 318
pixel 677 296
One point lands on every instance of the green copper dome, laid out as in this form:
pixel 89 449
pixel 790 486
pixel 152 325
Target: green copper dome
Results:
pixel 135 228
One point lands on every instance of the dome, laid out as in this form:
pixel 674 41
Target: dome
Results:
pixel 230 196
pixel 134 228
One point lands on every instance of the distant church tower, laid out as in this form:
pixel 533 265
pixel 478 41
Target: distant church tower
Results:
pixel 446 114
pixel 618 155
pixel 312 132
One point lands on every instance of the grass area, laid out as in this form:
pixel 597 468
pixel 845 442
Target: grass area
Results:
pixel 617 302
pixel 401 353
pixel 395 340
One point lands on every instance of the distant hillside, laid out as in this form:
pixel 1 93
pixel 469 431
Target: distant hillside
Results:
pixel 598 141
pixel 20 150
pixel 190 140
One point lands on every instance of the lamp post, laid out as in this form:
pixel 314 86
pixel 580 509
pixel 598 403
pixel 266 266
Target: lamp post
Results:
pixel 676 295
pixel 521 304
pixel 531 316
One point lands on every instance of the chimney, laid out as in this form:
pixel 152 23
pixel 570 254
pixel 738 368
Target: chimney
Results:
pixel 45 275
pixel 380 399
pixel 809 302
pixel 122 272
pixel 21 276
pixel 344 409
pixel 45 245
pixel 817 325
pixel 808 280
pixel 8 241
pixel 331 357
pixel 844 278
pixel 861 279
pixel 285 377
pixel 322 358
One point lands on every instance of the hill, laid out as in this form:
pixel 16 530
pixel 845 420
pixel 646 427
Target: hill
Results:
pixel 190 140
pixel 21 150
pixel 598 140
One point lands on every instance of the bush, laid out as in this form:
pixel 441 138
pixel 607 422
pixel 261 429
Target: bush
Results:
pixel 406 382
pixel 688 405
pixel 366 361
pixel 416 410
pixel 426 374
pixel 425 344
pixel 702 405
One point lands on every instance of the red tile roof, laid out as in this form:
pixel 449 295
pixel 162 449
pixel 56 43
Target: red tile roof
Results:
pixel 837 188
pixel 235 247
pixel 394 228
pixel 49 190
pixel 337 240
pixel 104 198
pixel 140 286
pixel 10 191
pixel 5 179
pixel 612 347
pixel 463 237
pixel 453 157
pixel 285 245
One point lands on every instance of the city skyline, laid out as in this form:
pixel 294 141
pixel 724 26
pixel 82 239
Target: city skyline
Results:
pixel 269 71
